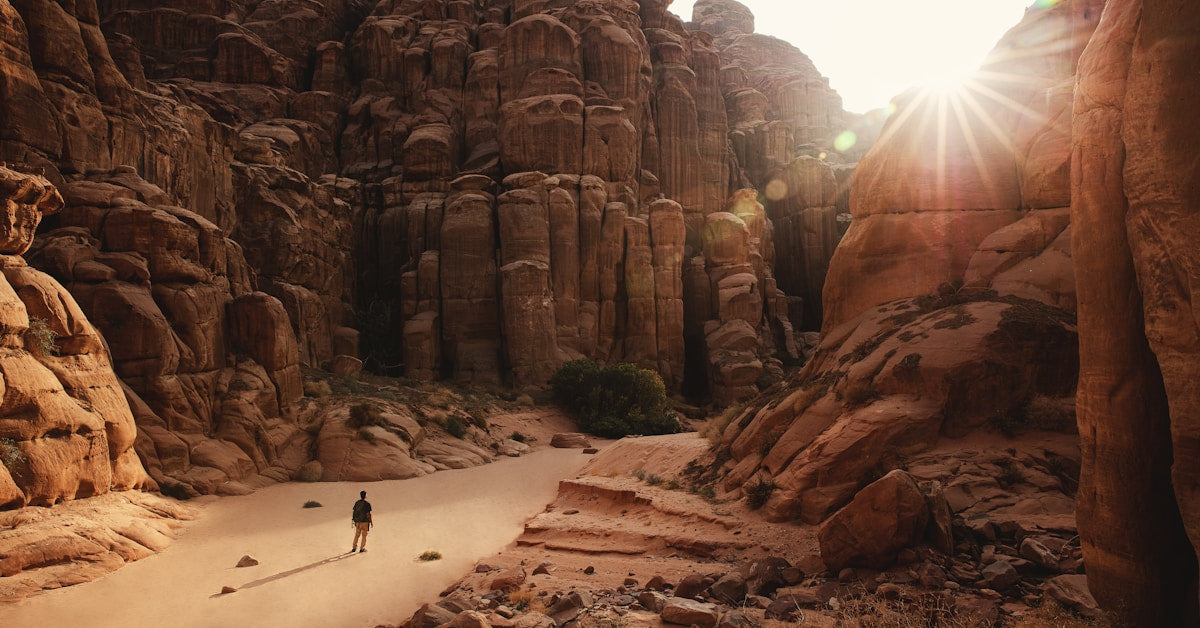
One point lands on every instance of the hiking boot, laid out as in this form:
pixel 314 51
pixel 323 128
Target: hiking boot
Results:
pixel 362 550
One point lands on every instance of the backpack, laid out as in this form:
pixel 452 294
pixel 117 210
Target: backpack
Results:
pixel 362 511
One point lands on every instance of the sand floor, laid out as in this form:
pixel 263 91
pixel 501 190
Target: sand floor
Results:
pixel 306 577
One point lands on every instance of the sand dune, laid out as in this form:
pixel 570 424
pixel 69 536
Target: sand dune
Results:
pixel 305 576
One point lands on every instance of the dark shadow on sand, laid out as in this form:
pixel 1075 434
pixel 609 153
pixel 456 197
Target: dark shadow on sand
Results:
pixel 291 572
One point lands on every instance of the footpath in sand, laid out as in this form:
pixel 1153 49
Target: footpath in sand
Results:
pixel 306 576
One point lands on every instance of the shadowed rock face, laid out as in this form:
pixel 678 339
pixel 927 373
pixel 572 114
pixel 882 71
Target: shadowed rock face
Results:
pixel 1135 199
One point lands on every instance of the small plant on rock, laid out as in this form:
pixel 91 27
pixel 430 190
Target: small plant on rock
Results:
pixel 317 388
pixel 43 342
pixel 519 437
pixel 10 453
pixel 429 555
pixel 455 427
pixel 757 494
pixel 176 490
pixel 364 415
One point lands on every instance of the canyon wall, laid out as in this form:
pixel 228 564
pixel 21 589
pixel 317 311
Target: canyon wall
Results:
pixel 1135 202
pixel 468 191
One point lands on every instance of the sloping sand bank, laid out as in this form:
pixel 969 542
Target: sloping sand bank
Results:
pixel 306 577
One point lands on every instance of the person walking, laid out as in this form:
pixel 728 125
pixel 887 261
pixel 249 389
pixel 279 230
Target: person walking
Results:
pixel 361 518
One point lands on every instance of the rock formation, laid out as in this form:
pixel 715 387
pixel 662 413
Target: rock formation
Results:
pixel 448 179
pixel 66 431
pixel 1134 205
pixel 949 305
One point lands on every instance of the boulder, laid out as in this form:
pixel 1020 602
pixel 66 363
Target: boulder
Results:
pixel 678 610
pixel 887 516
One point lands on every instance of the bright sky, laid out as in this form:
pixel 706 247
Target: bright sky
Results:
pixel 872 50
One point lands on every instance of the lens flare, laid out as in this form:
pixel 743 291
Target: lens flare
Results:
pixel 1045 4
pixel 776 190
pixel 845 141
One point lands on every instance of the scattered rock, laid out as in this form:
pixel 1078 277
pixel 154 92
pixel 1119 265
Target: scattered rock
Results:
pixel 570 440
pixel 736 619
pixel 730 589
pixel 652 601
pixel 1071 592
pixel 931 576
pixel 484 568
pixel 225 590
pixel 507 579
pixel 431 616
pixel 658 583
pixel 470 619
pixel 889 591
pixel 689 613
pixel 1037 553
pixel 543 568
pixel 590 450
pixel 890 514
pixel 999 575
pixel 589 570
pixel 692 585
pixel 785 607
pixel 247 561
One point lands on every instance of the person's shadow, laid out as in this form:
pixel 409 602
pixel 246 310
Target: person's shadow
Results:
pixel 291 572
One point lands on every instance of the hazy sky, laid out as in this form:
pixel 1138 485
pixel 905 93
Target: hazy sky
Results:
pixel 872 49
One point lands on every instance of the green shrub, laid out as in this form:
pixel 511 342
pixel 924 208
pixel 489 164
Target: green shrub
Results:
pixel 429 555
pixel 455 427
pixel 312 504
pixel 519 437
pixel 615 401
pixel 310 471
pixel 366 434
pixel 524 400
pixel 653 480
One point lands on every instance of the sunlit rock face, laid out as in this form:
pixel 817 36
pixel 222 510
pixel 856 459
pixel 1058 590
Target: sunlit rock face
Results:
pixel 787 130
pixel 66 431
pixel 1135 198
pixel 950 303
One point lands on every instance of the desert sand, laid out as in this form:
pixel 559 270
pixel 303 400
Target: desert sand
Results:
pixel 306 575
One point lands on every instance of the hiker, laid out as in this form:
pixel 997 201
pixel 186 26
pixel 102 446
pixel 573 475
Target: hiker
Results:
pixel 361 518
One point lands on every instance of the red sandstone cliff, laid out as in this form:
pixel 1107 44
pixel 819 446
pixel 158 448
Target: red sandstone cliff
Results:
pixel 480 191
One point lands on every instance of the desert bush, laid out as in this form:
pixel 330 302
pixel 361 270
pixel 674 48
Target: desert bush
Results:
pixel 363 415
pixel 366 434
pixel 715 428
pixel 317 388
pixel 526 601
pixel 519 437
pixel 639 474
pixel 524 400
pixel 653 480
pixel 758 493
pixel 43 342
pixel 310 471
pixel 672 485
pixel 455 427
pixel 312 504
pixel 429 555
pixel 859 393
pixel 615 401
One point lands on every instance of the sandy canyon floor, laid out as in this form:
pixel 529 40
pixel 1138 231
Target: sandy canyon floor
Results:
pixel 306 577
